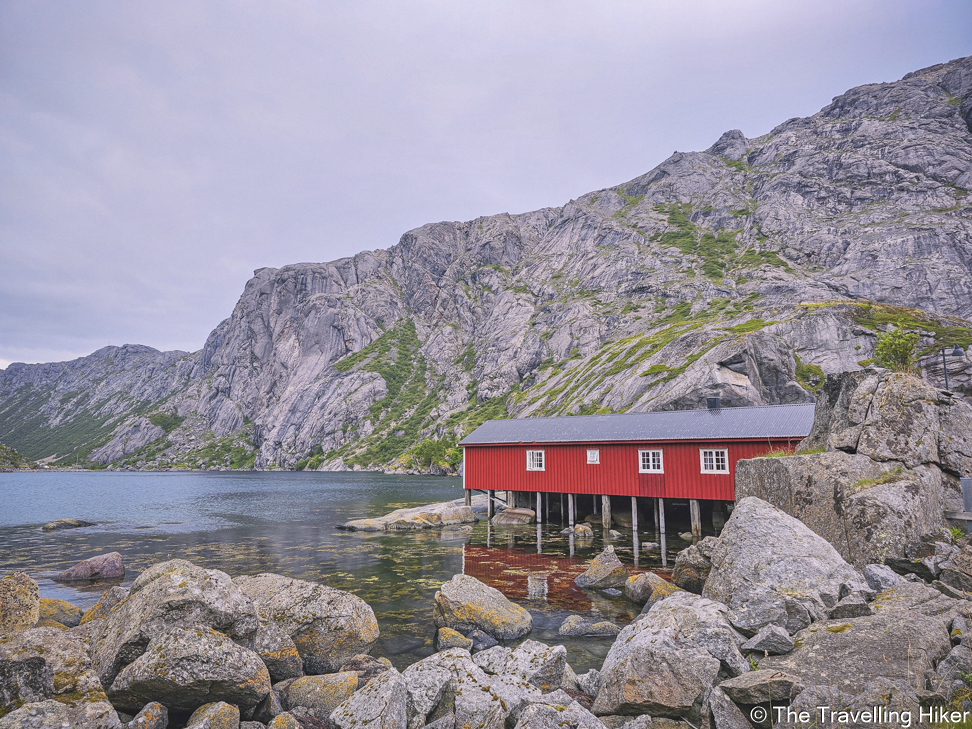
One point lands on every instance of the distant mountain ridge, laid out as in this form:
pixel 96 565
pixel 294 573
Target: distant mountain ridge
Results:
pixel 746 272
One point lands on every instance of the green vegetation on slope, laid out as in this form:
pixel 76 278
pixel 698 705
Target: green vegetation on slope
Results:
pixel 9 458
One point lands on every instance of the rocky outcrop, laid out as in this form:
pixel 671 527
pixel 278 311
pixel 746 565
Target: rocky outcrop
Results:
pixel 432 516
pixel 328 626
pixel 770 569
pixel 19 602
pixel 743 272
pixel 893 447
pixel 465 604
pixel 61 524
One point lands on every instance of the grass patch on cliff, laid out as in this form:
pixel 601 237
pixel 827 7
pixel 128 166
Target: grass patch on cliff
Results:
pixel 167 421
pixel 809 376
pixel 946 331
pixel 895 474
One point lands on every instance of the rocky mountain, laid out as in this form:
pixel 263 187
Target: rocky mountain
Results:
pixel 747 271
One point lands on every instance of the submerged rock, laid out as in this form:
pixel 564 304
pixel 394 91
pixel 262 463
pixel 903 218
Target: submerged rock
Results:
pixel 328 626
pixel 464 604
pixel 431 516
pixel 604 571
pixel 513 517
pixel 59 524
pixel 103 567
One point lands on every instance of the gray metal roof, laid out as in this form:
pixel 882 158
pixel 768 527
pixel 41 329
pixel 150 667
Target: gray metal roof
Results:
pixel 769 421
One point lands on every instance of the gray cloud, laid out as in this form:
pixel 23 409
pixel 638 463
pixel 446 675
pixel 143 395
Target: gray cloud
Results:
pixel 153 154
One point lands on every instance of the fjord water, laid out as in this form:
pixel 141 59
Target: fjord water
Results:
pixel 285 522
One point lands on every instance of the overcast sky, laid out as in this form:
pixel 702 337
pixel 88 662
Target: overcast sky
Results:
pixel 153 154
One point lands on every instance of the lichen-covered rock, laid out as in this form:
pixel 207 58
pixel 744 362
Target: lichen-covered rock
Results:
pixel 481 641
pixel 893 644
pixel 217 715
pixel 152 716
pixel 66 655
pixel 770 569
pixel 697 621
pixel 179 598
pixel 106 602
pixel 447 638
pixel 567 715
pixel 102 567
pixel 19 602
pixel 328 626
pixel 514 517
pixel 723 713
pixel 320 694
pixel 379 705
pixel 464 604
pixel 537 663
pixel 186 668
pixel 604 571
pixel 576 626
pixel 693 564
pixel 880 577
pixel 493 660
pixel 284 721
pixel 451 683
pixel 60 611
pixel 24 680
pixel 277 651
pixel 366 667
pixel 852 606
pixel 40 715
pixel 161 569
pixel 59 524
pixel 648 588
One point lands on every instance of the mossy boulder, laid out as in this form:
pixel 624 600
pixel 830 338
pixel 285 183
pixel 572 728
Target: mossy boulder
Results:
pixel 320 694
pixel 604 571
pixel 465 604
pixel 217 715
pixel 60 611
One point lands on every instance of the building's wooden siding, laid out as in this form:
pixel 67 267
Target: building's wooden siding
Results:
pixel 503 467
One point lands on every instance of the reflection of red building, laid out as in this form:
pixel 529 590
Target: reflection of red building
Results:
pixel 683 454
pixel 518 574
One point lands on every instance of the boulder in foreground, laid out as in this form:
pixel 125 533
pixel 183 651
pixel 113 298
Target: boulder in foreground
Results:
pixel 465 604
pixel 328 626
pixel 604 571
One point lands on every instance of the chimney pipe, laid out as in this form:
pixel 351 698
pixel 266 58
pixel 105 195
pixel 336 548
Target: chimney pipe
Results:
pixel 713 403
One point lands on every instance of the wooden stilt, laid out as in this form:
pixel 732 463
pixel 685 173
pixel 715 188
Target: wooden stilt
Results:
pixel 547 505
pixel 654 503
pixel 696 519
pixel 490 509
pixel 570 510
pixel 606 511
pixel 661 527
pixel 539 501
pixel 634 514
pixel 594 499
pixel 468 497
pixel 561 509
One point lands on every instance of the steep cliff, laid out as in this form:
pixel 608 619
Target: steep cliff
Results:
pixel 748 271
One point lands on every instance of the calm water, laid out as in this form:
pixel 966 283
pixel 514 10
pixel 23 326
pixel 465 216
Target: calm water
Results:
pixel 246 523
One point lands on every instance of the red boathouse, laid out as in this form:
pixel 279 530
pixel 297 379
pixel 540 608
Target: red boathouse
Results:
pixel 679 454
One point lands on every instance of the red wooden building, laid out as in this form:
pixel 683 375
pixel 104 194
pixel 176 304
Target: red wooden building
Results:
pixel 680 454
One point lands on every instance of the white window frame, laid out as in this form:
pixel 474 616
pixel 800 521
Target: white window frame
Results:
pixel 651 452
pixel 593 456
pixel 532 461
pixel 715 460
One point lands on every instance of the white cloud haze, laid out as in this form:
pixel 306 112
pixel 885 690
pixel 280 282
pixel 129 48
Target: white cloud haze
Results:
pixel 153 154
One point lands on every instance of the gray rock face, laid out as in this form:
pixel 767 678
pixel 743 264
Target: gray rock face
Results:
pixel 542 665
pixel 862 201
pixel 465 604
pixel 277 651
pixel 757 687
pixel 723 712
pixel 106 603
pixel 379 705
pixel 152 716
pixel 24 681
pixel 892 644
pixel 321 694
pixel 886 479
pixel 604 571
pixel 328 626
pixel 881 577
pixel 693 564
pixel 179 598
pixel 770 569
pixel 217 715
pixel 771 639
pixel 186 668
